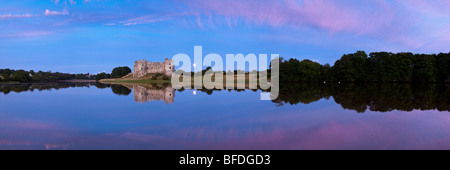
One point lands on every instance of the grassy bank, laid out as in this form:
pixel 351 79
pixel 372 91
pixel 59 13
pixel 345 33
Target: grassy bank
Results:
pixel 147 79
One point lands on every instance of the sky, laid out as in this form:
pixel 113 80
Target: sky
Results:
pixel 81 36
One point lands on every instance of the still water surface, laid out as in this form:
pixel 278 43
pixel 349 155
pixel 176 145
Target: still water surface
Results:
pixel 97 116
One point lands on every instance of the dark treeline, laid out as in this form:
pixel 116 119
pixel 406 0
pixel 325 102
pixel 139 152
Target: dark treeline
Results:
pixel 375 97
pixel 9 75
pixel 376 67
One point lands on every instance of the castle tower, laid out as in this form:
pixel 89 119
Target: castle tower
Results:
pixel 140 68
pixel 169 68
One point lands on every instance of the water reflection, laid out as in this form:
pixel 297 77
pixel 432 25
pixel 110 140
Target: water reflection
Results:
pixel 31 87
pixel 120 90
pixel 357 97
pixel 305 116
pixel 373 97
pixel 18 88
pixel 364 97
pixel 153 92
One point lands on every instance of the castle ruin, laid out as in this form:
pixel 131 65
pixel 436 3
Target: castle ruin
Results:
pixel 143 67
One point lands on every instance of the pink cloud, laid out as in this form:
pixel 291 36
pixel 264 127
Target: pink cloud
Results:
pixel 329 15
pixel 435 7
pixel 6 16
pixel 258 12
pixel 48 12
pixel 398 130
pixel 144 20
pixel 335 17
pixel 135 21
pixel 400 22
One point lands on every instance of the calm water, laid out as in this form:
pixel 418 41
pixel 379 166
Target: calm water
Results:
pixel 97 116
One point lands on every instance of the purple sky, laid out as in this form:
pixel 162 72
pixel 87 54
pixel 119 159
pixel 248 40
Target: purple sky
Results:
pixel 97 35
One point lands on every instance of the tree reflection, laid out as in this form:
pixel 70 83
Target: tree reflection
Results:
pixel 120 90
pixel 375 97
pixel 18 88
pixel 383 97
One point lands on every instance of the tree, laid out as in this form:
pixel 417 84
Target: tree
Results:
pixel 443 67
pixel 21 76
pixel 378 67
pixel 309 71
pixel 119 72
pixel 404 67
pixel 351 67
pixel 5 75
pixel 325 74
pixel 424 68
pixel 102 76
pixel 289 70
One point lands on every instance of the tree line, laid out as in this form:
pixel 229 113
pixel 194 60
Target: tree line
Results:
pixel 8 75
pixel 356 67
pixel 375 67
pixel 11 75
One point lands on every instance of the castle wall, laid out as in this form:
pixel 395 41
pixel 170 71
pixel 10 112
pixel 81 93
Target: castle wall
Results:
pixel 155 67
pixel 143 67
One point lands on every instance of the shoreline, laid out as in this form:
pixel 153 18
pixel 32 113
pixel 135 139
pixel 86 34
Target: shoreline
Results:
pixel 142 81
pixel 78 81
pixel 65 81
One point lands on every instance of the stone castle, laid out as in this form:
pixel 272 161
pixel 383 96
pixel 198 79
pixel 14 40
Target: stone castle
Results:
pixel 143 67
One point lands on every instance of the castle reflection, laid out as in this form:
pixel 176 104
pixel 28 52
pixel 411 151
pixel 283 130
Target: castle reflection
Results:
pixel 155 92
